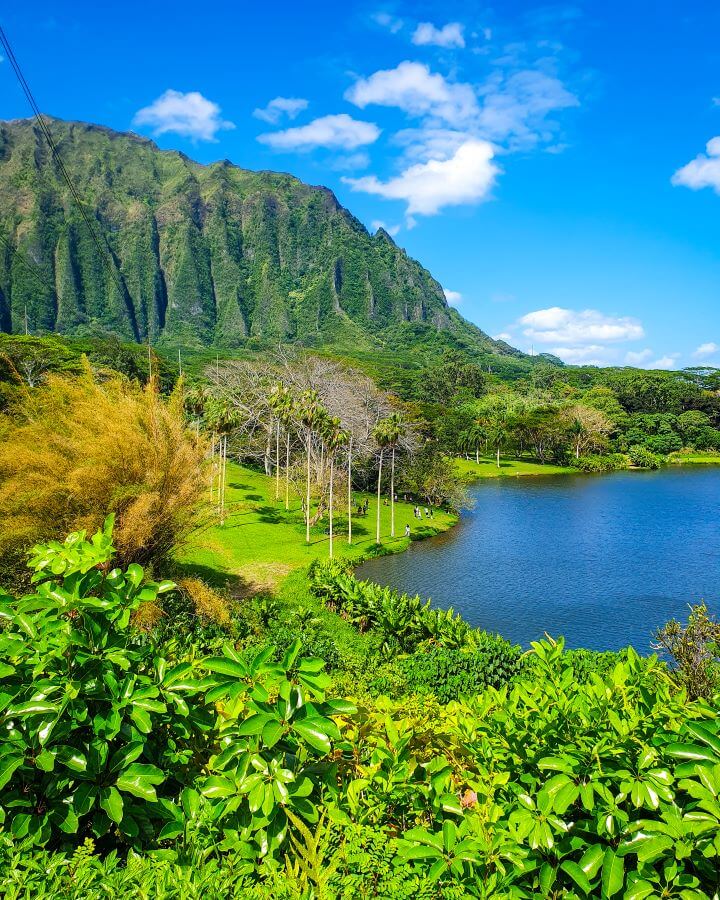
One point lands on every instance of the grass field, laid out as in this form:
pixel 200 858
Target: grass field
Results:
pixel 694 459
pixel 508 468
pixel 261 543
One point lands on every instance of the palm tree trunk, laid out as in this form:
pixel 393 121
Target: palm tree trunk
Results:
pixel 277 460
pixel 498 456
pixel 307 493
pixel 349 491
pixel 330 507
pixel 377 522
pixel 477 455
pixel 287 472
pixel 212 467
pixel 392 493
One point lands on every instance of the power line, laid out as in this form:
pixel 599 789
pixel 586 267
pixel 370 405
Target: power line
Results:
pixel 101 243
pixel 29 265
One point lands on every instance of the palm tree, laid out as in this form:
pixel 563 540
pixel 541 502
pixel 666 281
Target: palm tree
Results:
pixel 349 485
pixel 311 412
pixel 277 400
pixel 382 439
pixel 335 438
pixel 394 430
pixel 288 413
pixel 498 436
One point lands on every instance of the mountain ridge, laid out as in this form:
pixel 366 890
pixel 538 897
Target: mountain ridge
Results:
pixel 201 254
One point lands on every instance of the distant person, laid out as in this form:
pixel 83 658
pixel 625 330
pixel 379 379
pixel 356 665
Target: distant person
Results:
pixel 407 530
pixel 427 513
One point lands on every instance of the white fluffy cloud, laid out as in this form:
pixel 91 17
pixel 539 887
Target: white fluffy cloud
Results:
pixel 385 20
pixel 705 350
pixel 412 87
pixel 503 336
pixel 279 107
pixel 454 298
pixel 467 177
pixel 703 171
pixel 589 355
pixel 516 106
pixel 339 132
pixel 638 357
pixel 665 362
pixel 190 115
pixel 578 327
pixel 450 35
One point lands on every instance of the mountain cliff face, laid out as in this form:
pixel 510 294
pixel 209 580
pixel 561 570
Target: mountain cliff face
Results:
pixel 202 255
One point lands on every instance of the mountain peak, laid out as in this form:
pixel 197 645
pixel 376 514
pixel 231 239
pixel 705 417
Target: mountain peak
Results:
pixel 242 259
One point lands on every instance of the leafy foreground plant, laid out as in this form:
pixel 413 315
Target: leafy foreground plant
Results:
pixel 225 777
pixel 101 735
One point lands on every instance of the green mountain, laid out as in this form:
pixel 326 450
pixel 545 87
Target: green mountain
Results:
pixel 199 255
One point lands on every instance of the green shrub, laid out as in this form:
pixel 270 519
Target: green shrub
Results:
pixel 405 622
pixel 643 458
pixel 596 463
pixel 94 731
pixel 451 674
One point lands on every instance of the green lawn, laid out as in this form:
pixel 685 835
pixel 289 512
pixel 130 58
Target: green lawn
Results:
pixel 694 459
pixel 508 467
pixel 261 543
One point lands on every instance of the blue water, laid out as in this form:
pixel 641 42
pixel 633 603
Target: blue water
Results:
pixel 602 560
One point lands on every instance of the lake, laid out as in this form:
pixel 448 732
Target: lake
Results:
pixel 600 559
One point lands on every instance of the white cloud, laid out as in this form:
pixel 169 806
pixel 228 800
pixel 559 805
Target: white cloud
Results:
pixel 516 106
pixel 385 20
pixel 665 362
pixel 638 357
pixel 279 107
pixel 467 177
pixel 589 355
pixel 392 230
pixel 412 87
pixel 333 132
pixel 707 349
pixel 450 35
pixel 190 115
pixel 703 171
pixel 503 336
pixel 569 326
pixel 454 298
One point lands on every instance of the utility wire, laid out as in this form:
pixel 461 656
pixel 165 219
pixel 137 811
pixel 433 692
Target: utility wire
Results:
pixel 101 243
pixel 29 265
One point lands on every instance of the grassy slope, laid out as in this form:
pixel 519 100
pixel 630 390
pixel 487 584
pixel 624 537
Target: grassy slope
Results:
pixel 508 467
pixel 260 543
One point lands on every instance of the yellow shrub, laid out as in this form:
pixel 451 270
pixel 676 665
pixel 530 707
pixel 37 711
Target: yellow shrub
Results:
pixel 208 603
pixel 75 450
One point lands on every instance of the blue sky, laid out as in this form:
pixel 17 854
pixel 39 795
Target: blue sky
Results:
pixel 552 165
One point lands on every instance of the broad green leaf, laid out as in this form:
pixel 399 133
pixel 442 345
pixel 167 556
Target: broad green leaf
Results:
pixel 613 873
pixel 224 666
pixel 313 731
pixel 112 803
pixel 578 876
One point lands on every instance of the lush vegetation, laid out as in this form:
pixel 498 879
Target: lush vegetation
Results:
pixel 256 781
pixel 201 700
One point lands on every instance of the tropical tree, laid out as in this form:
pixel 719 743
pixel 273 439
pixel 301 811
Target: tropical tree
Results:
pixel 382 437
pixel 394 430
pixel 311 412
pixel 335 439
pixel 588 428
